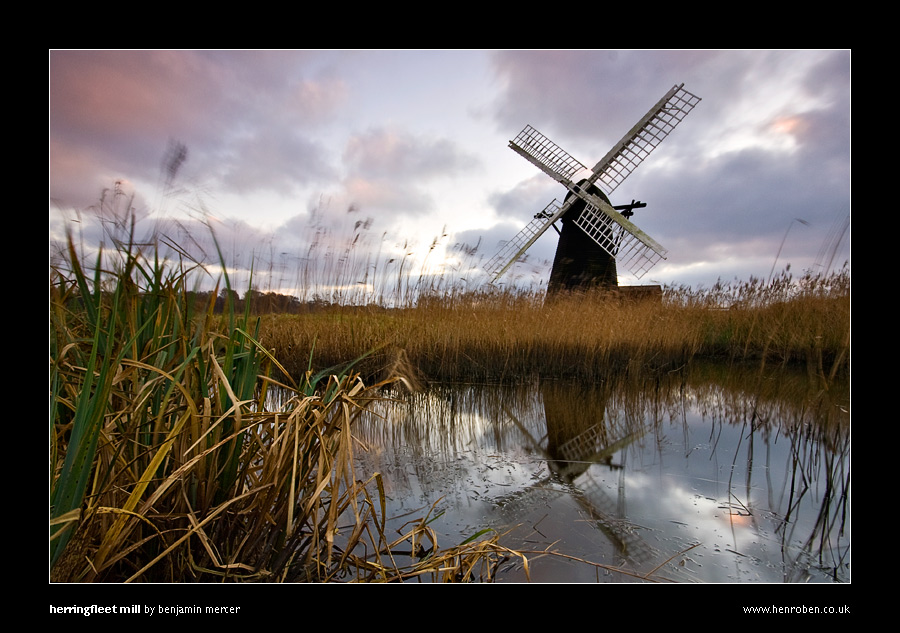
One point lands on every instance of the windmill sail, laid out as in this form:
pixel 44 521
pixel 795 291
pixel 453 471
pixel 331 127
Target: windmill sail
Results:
pixel 616 235
pixel 546 155
pixel 612 231
pixel 514 248
pixel 643 138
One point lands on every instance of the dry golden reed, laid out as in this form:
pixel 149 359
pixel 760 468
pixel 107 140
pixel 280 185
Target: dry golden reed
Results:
pixel 506 336
pixel 170 462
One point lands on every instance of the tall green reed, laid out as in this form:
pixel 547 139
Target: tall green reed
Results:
pixel 169 461
pixel 147 394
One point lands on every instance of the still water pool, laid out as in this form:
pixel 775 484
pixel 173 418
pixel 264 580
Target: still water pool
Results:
pixel 712 477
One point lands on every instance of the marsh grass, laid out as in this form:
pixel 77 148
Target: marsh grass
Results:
pixel 168 462
pixel 499 336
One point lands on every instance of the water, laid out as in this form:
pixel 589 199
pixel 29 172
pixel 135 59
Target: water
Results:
pixel 712 477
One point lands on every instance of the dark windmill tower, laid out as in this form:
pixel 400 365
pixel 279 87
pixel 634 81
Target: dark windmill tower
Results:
pixel 595 235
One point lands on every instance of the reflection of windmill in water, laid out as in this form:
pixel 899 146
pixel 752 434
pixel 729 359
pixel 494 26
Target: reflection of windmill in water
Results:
pixel 578 437
pixel 594 234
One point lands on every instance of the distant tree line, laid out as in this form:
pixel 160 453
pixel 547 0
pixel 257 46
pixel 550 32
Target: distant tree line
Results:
pixel 260 302
pixel 264 302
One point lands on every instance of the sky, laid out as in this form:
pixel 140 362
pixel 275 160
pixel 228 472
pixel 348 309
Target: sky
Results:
pixel 356 163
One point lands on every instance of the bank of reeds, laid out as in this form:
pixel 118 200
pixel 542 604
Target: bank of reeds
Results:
pixel 509 336
pixel 169 463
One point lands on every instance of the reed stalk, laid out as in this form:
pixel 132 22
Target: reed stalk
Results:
pixel 169 460
pixel 505 336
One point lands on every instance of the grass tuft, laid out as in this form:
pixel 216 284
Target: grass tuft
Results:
pixel 508 336
pixel 170 461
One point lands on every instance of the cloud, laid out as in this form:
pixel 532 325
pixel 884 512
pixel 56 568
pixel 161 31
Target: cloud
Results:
pixel 769 142
pixel 387 198
pixel 271 159
pixel 281 140
pixel 395 154
pixel 391 172
pixel 526 198
pixel 107 94
pixel 578 94
pixel 250 120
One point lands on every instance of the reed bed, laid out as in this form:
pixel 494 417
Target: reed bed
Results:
pixel 508 336
pixel 169 462
pixel 357 293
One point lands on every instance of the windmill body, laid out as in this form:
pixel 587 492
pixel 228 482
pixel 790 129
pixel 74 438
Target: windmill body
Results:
pixel 595 236
pixel 580 262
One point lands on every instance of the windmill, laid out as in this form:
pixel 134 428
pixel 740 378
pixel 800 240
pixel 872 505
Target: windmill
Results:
pixel 595 234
